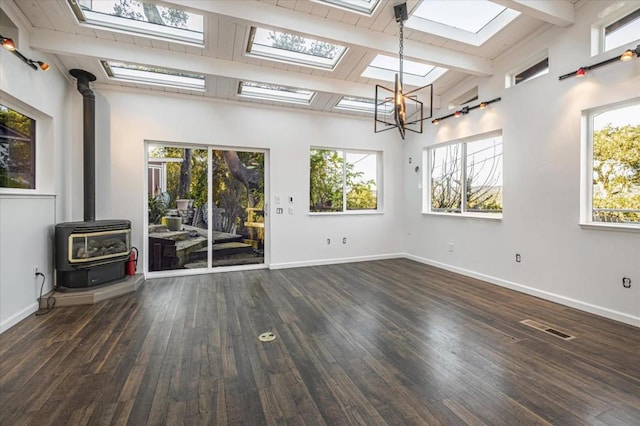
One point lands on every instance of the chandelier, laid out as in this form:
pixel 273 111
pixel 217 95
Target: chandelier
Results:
pixel 396 109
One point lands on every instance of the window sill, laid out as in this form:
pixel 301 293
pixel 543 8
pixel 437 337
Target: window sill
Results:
pixel 18 193
pixel 348 213
pixel 610 227
pixel 482 216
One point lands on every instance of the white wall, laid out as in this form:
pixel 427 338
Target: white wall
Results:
pixel 541 124
pixel 297 239
pixel 27 241
pixel 27 216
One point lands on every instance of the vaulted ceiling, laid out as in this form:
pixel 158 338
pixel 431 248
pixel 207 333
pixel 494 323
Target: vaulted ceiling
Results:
pixel 223 58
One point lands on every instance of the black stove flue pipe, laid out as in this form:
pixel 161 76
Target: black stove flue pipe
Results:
pixel 89 141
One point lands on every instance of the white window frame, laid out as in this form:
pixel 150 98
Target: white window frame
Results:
pixel 586 172
pixel 374 71
pixel 356 6
pixel 167 78
pixel 44 167
pixel 291 57
pixel 119 24
pixel 252 90
pixel 379 183
pixel 598 29
pixel 490 29
pixel 426 184
pixel 362 105
pixel 510 77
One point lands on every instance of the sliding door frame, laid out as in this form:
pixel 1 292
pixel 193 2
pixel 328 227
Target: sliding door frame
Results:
pixel 210 268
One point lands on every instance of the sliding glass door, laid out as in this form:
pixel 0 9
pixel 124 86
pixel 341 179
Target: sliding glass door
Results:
pixel 205 208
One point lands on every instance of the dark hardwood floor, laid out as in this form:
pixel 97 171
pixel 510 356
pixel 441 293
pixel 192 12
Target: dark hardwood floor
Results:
pixel 385 342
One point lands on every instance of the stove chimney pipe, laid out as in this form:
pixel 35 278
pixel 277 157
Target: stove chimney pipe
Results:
pixel 89 141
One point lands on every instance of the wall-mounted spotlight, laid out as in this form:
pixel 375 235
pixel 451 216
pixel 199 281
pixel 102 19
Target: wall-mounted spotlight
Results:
pixel 9 45
pixel 582 71
pixel 465 110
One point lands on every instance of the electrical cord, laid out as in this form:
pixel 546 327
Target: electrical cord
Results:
pixel 51 301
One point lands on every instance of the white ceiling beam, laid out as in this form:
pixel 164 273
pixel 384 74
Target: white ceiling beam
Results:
pixel 556 12
pixel 75 45
pixel 269 16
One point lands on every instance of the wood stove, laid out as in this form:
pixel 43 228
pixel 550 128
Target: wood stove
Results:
pixel 91 252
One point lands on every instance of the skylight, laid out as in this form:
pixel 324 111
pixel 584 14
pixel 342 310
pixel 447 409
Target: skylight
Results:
pixel 153 75
pixel 466 15
pixel 293 48
pixel 361 6
pixel 467 21
pixel 414 73
pixel 350 103
pixel 272 92
pixel 141 18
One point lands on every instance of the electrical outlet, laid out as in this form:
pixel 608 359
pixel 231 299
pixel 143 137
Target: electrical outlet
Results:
pixel 344 240
pixel 626 282
pixel 35 270
pixel 328 240
pixel 451 247
pixel 518 258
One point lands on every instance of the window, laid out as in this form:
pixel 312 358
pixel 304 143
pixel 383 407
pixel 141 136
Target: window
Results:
pixel 365 7
pixel 465 177
pixel 153 75
pixel 613 164
pixel 467 21
pixel 350 103
pixel 532 72
pixel 141 18
pixel 17 150
pixel 538 66
pixel 343 181
pixel 272 92
pixel 292 48
pixel 414 73
pixel 622 31
pixel 471 16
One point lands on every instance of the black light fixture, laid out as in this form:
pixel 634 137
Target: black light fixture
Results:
pixel 465 110
pixel 582 71
pixel 398 109
pixel 9 45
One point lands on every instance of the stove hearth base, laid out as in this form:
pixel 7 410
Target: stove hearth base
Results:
pixel 82 279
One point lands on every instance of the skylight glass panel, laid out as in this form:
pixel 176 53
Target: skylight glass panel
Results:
pixel 350 103
pixel 142 18
pixel 293 48
pixel 361 6
pixel 414 73
pixel 153 75
pixel 272 92
pixel 466 15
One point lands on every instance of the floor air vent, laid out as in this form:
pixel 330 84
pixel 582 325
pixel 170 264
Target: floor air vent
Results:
pixel 547 329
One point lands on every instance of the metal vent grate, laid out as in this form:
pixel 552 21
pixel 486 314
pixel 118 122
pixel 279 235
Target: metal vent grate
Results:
pixel 547 329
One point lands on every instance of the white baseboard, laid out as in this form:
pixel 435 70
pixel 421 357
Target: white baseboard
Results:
pixel 320 262
pixel 17 317
pixel 563 300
